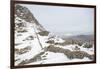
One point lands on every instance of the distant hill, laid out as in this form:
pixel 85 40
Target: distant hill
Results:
pixel 83 38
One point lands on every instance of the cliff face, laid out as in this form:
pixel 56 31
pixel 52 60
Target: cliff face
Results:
pixel 35 45
pixel 25 14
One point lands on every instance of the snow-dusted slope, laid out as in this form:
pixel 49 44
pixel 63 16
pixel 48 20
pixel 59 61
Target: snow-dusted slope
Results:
pixel 35 45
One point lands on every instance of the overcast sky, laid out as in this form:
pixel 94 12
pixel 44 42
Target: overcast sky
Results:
pixel 65 20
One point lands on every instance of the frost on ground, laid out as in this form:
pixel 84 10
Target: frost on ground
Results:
pixel 35 45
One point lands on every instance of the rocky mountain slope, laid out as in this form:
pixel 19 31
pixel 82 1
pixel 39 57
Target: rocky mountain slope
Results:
pixel 35 45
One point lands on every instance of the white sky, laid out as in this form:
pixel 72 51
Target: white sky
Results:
pixel 66 20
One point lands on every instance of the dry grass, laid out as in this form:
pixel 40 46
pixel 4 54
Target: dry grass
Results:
pixel 34 59
pixel 88 45
pixel 22 51
pixel 69 54
pixel 43 33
